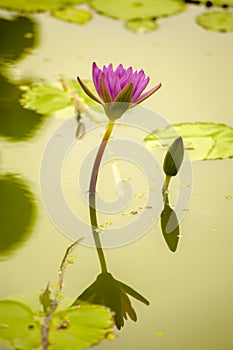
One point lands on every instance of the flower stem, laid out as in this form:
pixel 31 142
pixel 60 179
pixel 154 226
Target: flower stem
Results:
pixel 92 196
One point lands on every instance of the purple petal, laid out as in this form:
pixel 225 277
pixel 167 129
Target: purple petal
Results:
pixel 96 76
pixel 147 94
pixel 141 85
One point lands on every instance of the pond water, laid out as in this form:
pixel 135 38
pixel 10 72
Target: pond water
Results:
pixel 190 291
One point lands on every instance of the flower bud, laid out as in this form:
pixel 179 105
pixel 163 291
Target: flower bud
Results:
pixel 174 157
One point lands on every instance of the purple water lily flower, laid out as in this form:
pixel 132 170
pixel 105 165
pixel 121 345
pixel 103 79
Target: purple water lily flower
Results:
pixel 118 89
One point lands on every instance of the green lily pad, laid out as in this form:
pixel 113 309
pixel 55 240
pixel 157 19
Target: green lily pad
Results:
pixel 221 21
pixel 37 5
pixel 219 3
pixel 129 9
pixel 80 327
pixel 18 326
pixel 71 14
pixel 139 25
pixel 45 99
pixel 202 140
pixel 17 214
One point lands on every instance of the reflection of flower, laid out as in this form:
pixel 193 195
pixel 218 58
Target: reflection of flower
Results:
pixel 119 85
pixel 108 291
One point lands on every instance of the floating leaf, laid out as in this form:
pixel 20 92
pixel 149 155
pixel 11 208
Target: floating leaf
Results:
pixel 219 3
pixel 18 326
pixel 129 9
pixel 17 214
pixel 71 14
pixel 170 227
pixel 221 21
pixel 139 25
pixel 45 99
pixel 37 5
pixel 80 327
pixel 16 123
pixel 202 140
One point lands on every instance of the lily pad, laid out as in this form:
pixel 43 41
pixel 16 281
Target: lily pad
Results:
pixel 17 214
pixel 46 99
pixel 37 5
pixel 129 9
pixel 18 326
pixel 80 327
pixel 219 3
pixel 221 21
pixel 71 14
pixel 202 140
pixel 139 25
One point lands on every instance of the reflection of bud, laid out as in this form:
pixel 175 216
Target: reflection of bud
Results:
pixel 170 227
pixel 108 291
pixel 174 157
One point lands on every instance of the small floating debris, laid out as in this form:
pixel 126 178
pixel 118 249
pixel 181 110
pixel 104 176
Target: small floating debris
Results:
pixel 185 185
pixel 130 213
pixel 159 334
pixel 107 223
pixel 230 196
pixel 139 195
pixel 126 179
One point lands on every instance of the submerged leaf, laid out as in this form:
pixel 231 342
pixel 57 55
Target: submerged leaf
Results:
pixel 80 327
pixel 202 140
pixel 221 21
pixel 129 9
pixel 18 326
pixel 71 14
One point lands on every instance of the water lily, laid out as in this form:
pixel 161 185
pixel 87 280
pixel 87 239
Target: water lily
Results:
pixel 119 89
pixel 108 291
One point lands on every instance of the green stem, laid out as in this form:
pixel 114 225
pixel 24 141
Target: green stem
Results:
pixel 92 196
pixel 165 188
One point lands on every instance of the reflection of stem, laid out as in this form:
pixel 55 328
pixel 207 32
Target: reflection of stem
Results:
pixel 54 302
pixel 92 195
pixel 165 188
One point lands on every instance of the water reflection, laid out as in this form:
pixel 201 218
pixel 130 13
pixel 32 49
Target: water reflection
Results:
pixel 17 213
pixel 108 291
pixel 18 35
pixel 169 225
pixel 16 122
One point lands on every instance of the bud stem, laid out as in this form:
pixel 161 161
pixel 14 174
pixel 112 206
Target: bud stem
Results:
pixel 165 187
